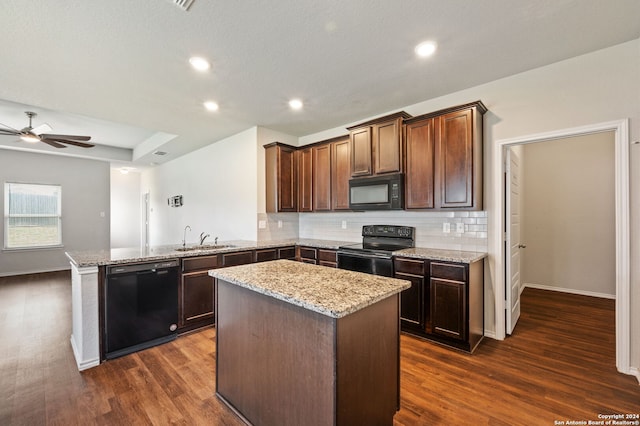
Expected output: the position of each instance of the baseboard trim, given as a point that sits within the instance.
(82, 365)
(570, 290)
(490, 334)
(12, 274)
(635, 372)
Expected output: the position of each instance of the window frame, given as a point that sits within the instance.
(7, 216)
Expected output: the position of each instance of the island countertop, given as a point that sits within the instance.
(332, 292)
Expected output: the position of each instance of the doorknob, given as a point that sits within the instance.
(522, 246)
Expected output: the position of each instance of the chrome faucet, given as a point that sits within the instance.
(184, 239)
(215, 242)
(203, 237)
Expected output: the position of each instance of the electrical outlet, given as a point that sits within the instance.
(279, 224)
(344, 224)
(460, 227)
(446, 227)
(262, 224)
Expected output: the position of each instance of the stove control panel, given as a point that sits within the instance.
(393, 231)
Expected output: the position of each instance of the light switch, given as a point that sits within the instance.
(344, 224)
(460, 228)
(279, 224)
(446, 227)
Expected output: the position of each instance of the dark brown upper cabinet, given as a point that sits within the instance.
(376, 145)
(305, 180)
(444, 159)
(321, 177)
(340, 173)
(281, 178)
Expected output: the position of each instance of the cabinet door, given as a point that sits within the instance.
(281, 185)
(327, 258)
(454, 154)
(361, 152)
(266, 254)
(412, 302)
(321, 177)
(387, 143)
(340, 174)
(448, 308)
(420, 146)
(197, 298)
(305, 178)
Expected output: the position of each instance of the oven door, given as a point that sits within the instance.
(369, 263)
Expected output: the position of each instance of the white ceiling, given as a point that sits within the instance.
(118, 70)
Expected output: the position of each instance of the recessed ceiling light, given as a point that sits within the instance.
(198, 63)
(295, 104)
(425, 49)
(211, 106)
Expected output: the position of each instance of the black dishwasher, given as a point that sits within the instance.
(140, 306)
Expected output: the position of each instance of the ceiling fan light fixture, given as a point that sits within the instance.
(426, 49)
(199, 64)
(31, 138)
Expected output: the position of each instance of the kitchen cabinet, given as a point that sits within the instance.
(196, 298)
(263, 255)
(281, 178)
(237, 258)
(321, 181)
(414, 301)
(340, 173)
(318, 256)
(305, 181)
(444, 159)
(377, 145)
(445, 302)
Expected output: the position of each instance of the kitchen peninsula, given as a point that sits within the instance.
(306, 344)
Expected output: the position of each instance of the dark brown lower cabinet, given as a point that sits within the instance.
(196, 293)
(318, 256)
(328, 257)
(445, 302)
(263, 255)
(237, 258)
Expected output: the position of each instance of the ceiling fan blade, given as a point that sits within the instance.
(75, 138)
(44, 127)
(76, 143)
(9, 129)
(53, 143)
(8, 132)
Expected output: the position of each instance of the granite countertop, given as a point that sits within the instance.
(328, 291)
(140, 254)
(444, 255)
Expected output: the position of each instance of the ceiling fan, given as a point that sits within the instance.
(37, 134)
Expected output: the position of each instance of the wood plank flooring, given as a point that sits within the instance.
(559, 365)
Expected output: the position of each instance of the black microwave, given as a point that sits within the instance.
(377, 193)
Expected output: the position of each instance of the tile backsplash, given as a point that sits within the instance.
(347, 226)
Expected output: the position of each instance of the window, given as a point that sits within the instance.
(32, 215)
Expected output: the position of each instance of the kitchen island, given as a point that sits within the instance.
(306, 344)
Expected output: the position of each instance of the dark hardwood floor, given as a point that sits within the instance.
(558, 365)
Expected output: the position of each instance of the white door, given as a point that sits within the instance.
(513, 244)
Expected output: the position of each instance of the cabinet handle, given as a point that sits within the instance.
(522, 246)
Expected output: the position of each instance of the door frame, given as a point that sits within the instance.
(497, 233)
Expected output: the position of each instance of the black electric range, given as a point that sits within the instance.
(374, 254)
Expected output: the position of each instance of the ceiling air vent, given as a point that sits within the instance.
(183, 4)
(159, 153)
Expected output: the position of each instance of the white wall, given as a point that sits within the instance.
(85, 195)
(219, 188)
(598, 87)
(569, 225)
(126, 211)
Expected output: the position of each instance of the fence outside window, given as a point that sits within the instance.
(32, 215)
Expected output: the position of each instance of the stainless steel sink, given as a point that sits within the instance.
(204, 247)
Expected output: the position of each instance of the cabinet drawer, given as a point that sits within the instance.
(199, 263)
(327, 256)
(409, 266)
(287, 253)
(240, 258)
(307, 253)
(449, 271)
(266, 254)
